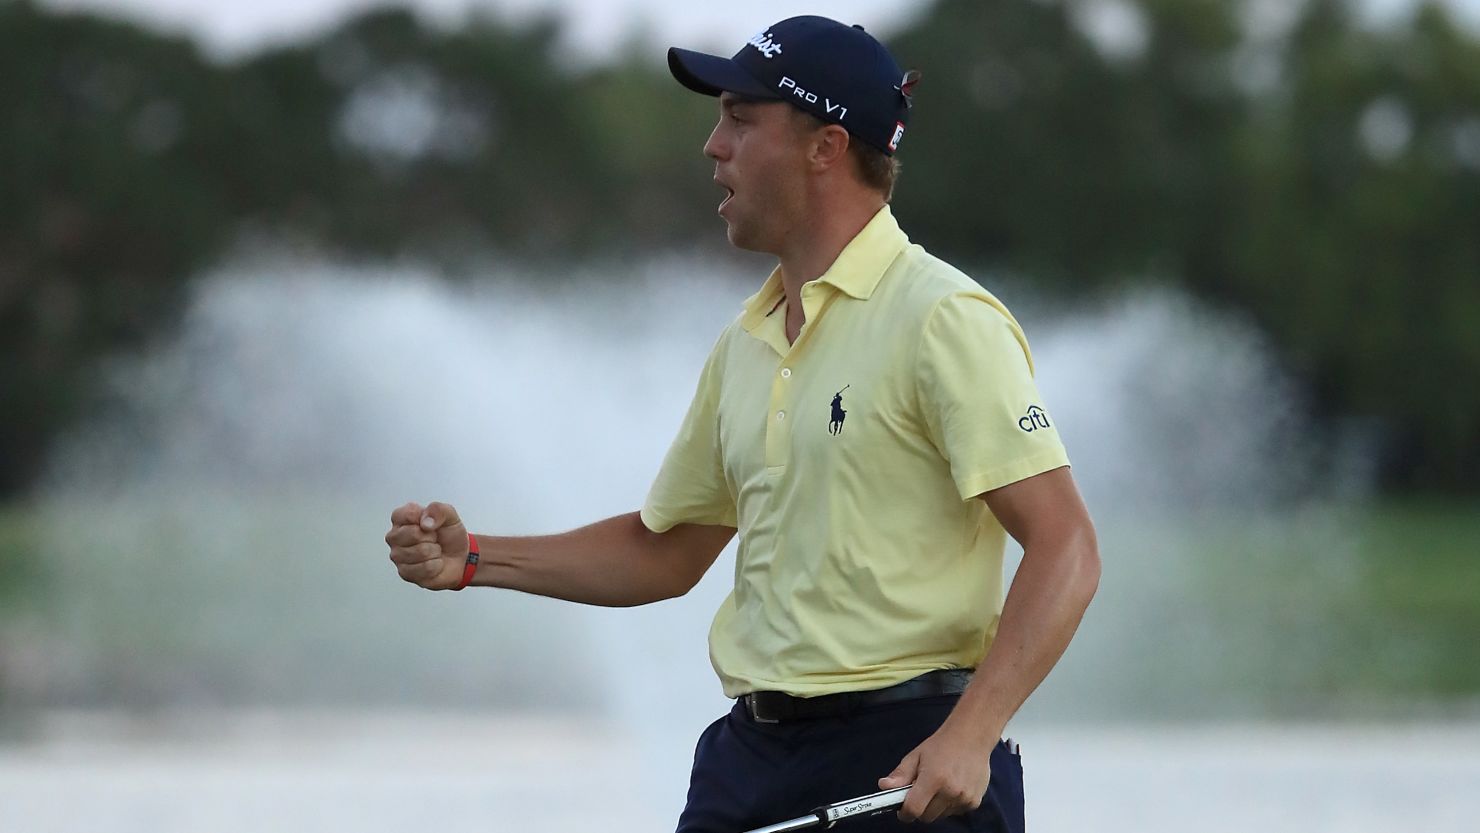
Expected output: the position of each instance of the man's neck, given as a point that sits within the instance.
(813, 248)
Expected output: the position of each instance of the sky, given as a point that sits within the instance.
(595, 27)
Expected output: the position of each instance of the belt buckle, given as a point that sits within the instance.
(750, 701)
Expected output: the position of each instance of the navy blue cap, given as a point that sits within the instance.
(836, 72)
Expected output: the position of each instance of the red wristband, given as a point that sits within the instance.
(472, 564)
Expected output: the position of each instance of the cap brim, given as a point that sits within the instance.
(712, 75)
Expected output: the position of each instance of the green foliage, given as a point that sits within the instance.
(1420, 603)
(22, 583)
(1326, 181)
(1032, 150)
(101, 217)
(1333, 614)
(1365, 266)
(20, 569)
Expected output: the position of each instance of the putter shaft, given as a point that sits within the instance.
(829, 815)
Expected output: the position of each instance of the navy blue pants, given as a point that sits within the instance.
(748, 775)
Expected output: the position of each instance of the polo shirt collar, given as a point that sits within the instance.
(856, 272)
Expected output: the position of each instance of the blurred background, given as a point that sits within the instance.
(269, 270)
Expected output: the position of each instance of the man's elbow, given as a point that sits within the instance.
(687, 575)
(674, 585)
(683, 554)
(1084, 563)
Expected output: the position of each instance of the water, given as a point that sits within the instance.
(225, 647)
(406, 772)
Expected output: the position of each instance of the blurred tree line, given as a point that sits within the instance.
(1322, 176)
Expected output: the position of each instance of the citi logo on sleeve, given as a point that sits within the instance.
(1035, 419)
(835, 425)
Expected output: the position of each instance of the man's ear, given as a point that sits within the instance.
(829, 147)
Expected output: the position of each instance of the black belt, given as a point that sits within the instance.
(776, 706)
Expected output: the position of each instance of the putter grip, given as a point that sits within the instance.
(868, 805)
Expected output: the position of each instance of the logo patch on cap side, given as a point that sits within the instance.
(767, 45)
(898, 134)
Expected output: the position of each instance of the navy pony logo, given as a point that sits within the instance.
(835, 427)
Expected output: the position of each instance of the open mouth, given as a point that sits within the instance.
(729, 193)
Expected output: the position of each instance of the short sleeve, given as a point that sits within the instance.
(691, 486)
(981, 407)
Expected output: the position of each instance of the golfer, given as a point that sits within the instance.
(870, 427)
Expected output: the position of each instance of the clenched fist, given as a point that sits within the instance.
(429, 546)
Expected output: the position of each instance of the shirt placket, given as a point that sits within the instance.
(816, 298)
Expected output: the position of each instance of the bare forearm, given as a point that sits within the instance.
(617, 562)
(1044, 606)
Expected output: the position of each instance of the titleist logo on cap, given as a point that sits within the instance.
(767, 46)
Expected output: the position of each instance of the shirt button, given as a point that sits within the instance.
(780, 415)
(786, 373)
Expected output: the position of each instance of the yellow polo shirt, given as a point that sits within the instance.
(850, 462)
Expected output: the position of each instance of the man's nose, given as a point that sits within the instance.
(715, 148)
